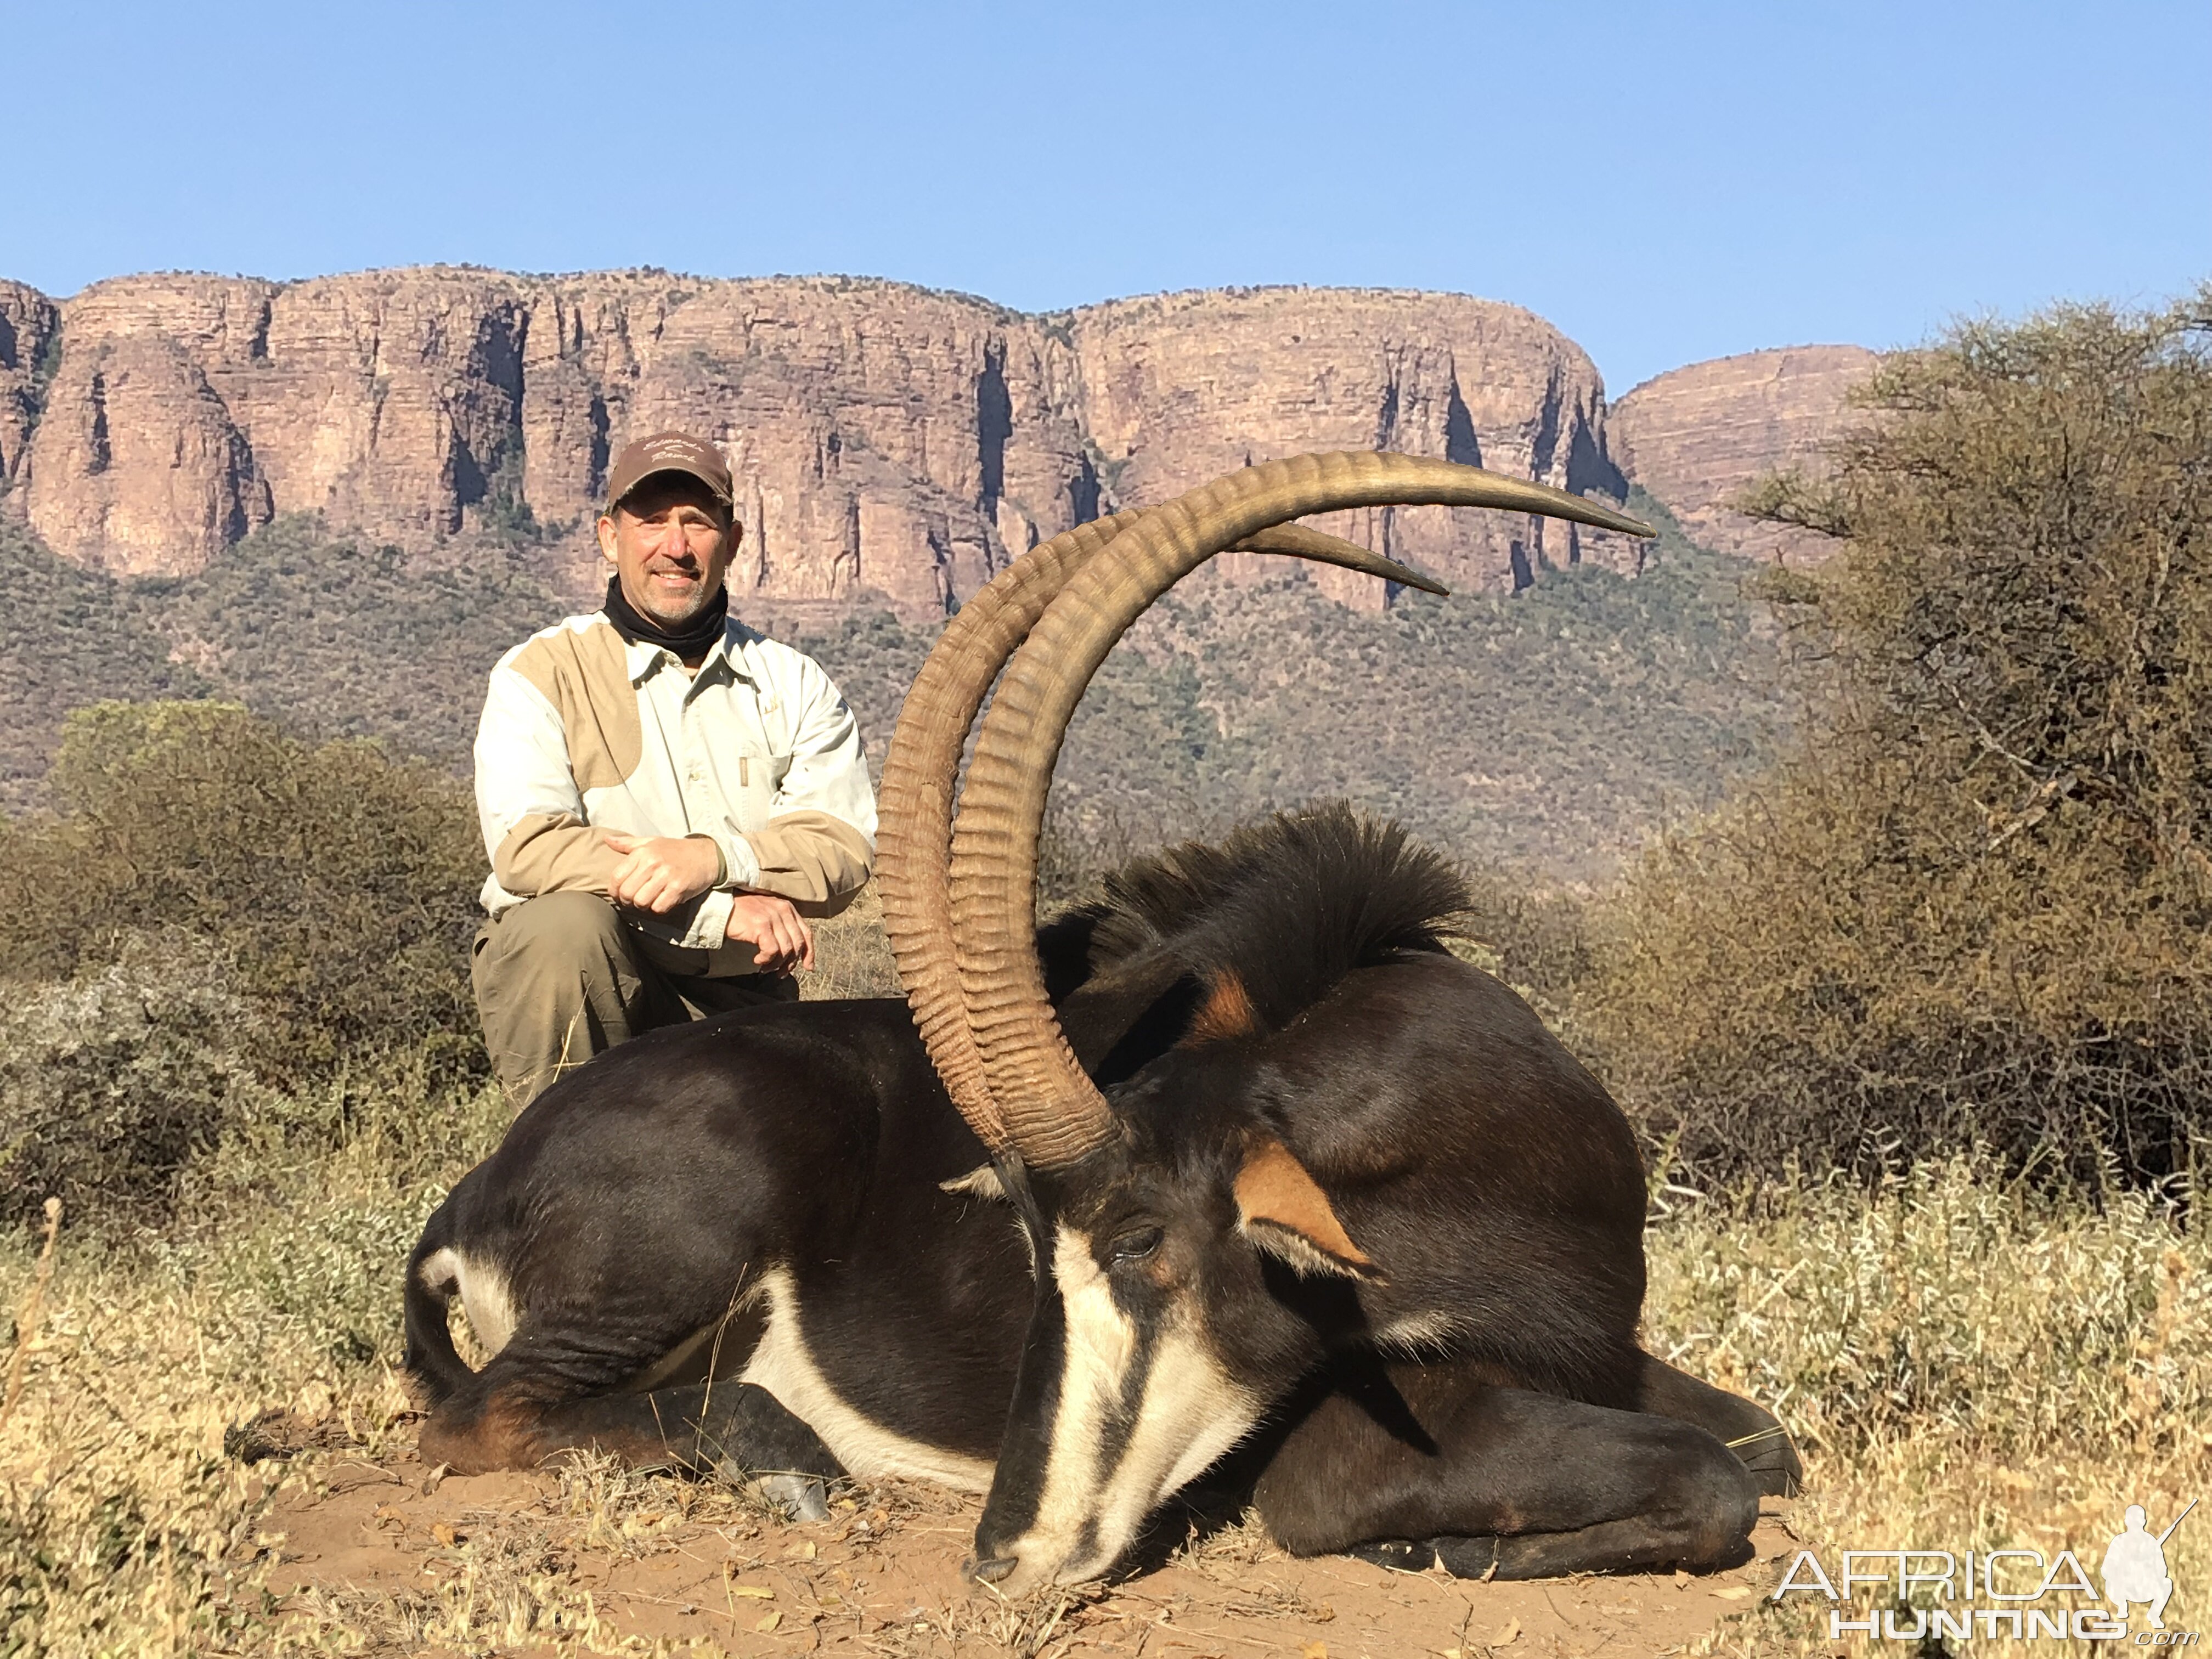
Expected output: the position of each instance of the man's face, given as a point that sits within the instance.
(671, 543)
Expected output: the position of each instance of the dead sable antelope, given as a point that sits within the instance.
(1240, 1160)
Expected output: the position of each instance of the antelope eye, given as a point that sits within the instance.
(1138, 1244)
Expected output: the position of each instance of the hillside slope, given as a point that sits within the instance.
(338, 500)
(1554, 726)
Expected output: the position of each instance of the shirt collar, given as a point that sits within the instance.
(642, 657)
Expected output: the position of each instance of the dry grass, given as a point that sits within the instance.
(34, 1304)
(1969, 1368)
(1969, 1364)
(852, 957)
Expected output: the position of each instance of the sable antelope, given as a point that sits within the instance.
(1269, 1171)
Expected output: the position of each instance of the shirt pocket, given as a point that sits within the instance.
(759, 778)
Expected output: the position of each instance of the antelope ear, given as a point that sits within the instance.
(981, 1182)
(1283, 1211)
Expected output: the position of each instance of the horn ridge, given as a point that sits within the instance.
(915, 803)
(921, 767)
(1051, 1109)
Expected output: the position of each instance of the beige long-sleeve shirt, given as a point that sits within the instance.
(584, 732)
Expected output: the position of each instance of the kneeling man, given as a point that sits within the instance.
(666, 794)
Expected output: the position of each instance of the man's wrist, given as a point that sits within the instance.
(721, 859)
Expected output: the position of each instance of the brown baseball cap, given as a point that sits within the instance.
(669, 452)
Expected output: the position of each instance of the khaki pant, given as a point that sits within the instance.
(561, 978)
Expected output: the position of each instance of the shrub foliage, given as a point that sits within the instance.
(1974, 904)
(111, 1083)
(339, 881)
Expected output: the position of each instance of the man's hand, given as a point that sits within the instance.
(780, 937)
(658, 873)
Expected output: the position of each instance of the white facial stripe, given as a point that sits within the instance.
(1100, 1341)
(482, 1289)
(784, 1365)
(1196, 1394)
(1190, 1412)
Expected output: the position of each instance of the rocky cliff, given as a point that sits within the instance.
(30, 339)
(1181, 388)
(885, 438)
(1694, 437)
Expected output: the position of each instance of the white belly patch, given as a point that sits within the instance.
(783, 1365)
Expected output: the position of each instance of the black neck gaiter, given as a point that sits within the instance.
(693, 641)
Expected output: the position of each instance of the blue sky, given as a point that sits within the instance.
(1665, 183)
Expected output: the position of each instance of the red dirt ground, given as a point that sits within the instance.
(673, 1562)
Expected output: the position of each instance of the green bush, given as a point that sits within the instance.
(339, 881)
(111, 1084)
(1974, 905)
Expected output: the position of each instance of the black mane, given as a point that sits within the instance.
(1288, 906)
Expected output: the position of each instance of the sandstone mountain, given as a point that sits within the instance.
(337, 500)
(886, 438)
(1694, 437)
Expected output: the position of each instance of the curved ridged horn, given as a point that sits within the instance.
(1047, 1107)
(915, 804)
(913, 839)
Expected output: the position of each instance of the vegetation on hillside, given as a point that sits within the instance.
(1551, 727)
(1975, 904)
(72, 637)
(333, 638)
(339, 639)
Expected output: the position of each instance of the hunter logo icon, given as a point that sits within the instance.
(2021, 1593)
(2135, 1566)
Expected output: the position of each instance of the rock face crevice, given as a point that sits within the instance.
(30, 347)
(1179, 388)
(884, 438)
